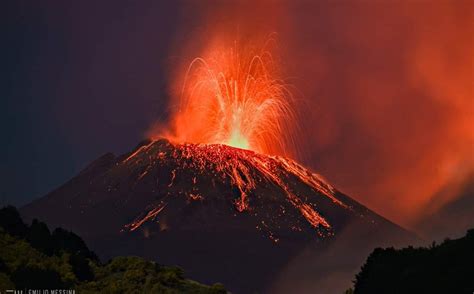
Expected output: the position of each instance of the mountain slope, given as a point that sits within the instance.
(223, 213)
(33, 258)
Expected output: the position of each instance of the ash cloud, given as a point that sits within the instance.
(387, 112)
(386, 91)
(392, 98)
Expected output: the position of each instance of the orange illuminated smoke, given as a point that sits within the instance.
(234, 97)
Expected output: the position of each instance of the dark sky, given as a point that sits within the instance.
(387, 88)
(78, 80)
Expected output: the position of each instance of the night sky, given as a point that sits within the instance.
(78, 80)
(387, 88)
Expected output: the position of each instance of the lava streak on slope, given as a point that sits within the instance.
(256, 180)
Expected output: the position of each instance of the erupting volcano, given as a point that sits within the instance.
(218, 196)
(223, 213)
(232, 169)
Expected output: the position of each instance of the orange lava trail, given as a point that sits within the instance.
(150, 215)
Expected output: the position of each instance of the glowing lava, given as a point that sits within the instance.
(247, 172)
(234, 97)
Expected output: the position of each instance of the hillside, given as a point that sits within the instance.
(444, 268)
(33, 258)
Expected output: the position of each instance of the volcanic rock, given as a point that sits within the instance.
(224, 214)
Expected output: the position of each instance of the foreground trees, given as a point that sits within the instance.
(31, 257)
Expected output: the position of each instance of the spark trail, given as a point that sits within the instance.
(235, 97)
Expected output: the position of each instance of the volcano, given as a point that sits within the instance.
(222, 213)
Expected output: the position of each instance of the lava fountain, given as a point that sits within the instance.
(234, 96)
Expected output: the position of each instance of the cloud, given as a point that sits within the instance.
(386, 93)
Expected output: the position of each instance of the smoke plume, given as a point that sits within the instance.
(386, 90)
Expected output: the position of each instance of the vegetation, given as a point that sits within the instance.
(444, 268)
(33, 258)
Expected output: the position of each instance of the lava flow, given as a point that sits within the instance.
(234, 97)
(250, 174)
